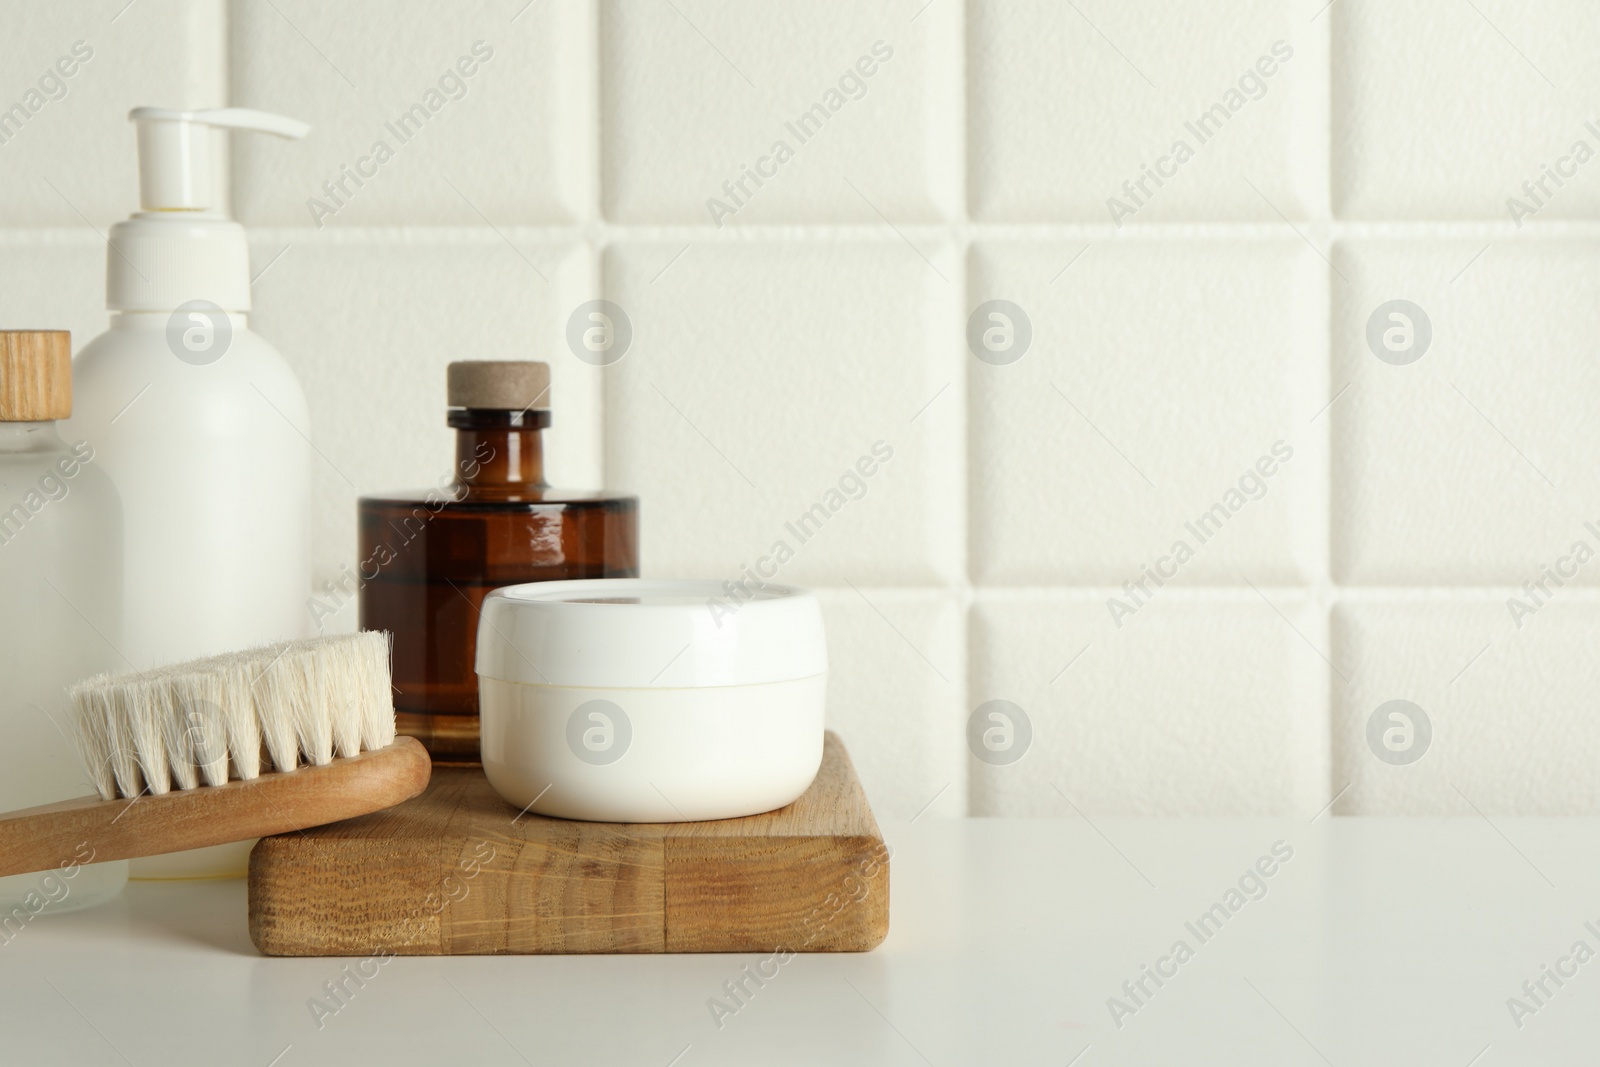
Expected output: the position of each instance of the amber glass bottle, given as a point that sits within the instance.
(429, 558)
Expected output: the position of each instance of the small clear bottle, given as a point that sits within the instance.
(60, 610)
(429, 558)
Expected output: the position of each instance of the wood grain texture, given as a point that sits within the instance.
(35, 375)
(36, 839)
(458, 871)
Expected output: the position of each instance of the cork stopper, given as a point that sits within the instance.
(501, 385)
(35, 375)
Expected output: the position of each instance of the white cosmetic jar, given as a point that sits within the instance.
(633, 700)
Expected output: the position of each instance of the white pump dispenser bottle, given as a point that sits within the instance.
(199, 422)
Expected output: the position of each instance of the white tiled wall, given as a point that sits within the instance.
(1199, 348)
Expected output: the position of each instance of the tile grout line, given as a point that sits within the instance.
(599, 235)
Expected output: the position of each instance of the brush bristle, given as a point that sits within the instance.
(208, 720)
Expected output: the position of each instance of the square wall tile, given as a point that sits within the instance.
(1444, 110)
(1166, 398)
(1506, 723)
(72, 73)
(1473, 462)
(896, 681)
(419, 112)
(792, 408)
(53, 280)
(369, 325)
(1209, 705)
(1067, 102)
(840, 111)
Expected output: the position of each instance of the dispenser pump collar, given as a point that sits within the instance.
(176, 171)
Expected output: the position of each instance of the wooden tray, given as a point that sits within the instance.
(458, 871)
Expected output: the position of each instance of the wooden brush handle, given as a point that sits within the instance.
(60, 834)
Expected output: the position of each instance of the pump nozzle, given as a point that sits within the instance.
(175, 157)
(180, 247)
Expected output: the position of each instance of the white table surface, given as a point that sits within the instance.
(1379, 942)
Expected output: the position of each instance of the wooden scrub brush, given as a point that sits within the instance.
(248, 744)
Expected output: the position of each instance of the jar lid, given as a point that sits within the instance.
(632, 633)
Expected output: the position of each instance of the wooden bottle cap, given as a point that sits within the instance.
(500, 385)
(35, 375)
